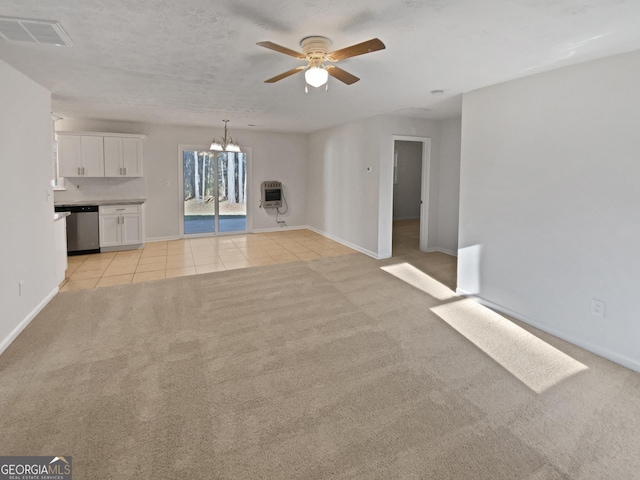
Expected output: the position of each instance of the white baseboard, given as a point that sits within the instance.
(464, 293)
(623, 360)
(344, 242)
(279, 229)
(121, 248)
(443, 250)
(26, 321)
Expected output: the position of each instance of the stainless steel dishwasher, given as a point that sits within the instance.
(83, 231)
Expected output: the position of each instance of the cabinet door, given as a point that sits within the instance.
(92, 156)
(113, 157)
(109, 230)
(69, 156)
(131, 228)
(132, 157)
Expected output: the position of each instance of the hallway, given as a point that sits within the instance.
(406, 247)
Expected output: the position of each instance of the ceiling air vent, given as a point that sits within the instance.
(33, 31)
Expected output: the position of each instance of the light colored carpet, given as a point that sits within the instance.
(333, 368)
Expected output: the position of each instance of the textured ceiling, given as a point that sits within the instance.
(195, 62)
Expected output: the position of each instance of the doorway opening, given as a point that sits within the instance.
(213, 193)
(410, 209)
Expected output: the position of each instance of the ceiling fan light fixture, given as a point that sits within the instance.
(316, 50)
(316, 76)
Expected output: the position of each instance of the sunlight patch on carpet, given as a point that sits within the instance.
(531, 360)
(420, 280)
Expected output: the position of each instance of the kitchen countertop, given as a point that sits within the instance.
(59, 215)
(81, 203)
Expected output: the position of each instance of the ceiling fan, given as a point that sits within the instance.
(316, 51)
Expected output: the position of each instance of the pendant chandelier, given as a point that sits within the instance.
(225, 144)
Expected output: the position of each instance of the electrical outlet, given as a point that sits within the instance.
(20, 287)
(597, 307)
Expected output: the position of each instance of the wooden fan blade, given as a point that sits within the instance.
(372, 45)
(284, 75)
(281, 49)
(341, 75)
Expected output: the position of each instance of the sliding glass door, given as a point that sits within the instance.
(232, 192)
(214, 188)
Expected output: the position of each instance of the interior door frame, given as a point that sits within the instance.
(201, 148)
(424, 186)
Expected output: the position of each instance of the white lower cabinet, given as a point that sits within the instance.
(120, 225)
(110, 231)
(131, 228)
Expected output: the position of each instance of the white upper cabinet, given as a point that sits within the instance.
(99, 155)
(80, 156)
(92, 152)
(112, 157)
(69, 156)
(132, 157)
(122, 157)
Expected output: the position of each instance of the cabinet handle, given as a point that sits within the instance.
(79, 171)
(82, 170)
(118, 219)
(125, 170)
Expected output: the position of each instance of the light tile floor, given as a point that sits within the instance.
(176, 258)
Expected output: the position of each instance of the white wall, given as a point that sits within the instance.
(274, 156)
(27, 250)
(550, 199)
(343, 196)
(448, 184)
(349, 204)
